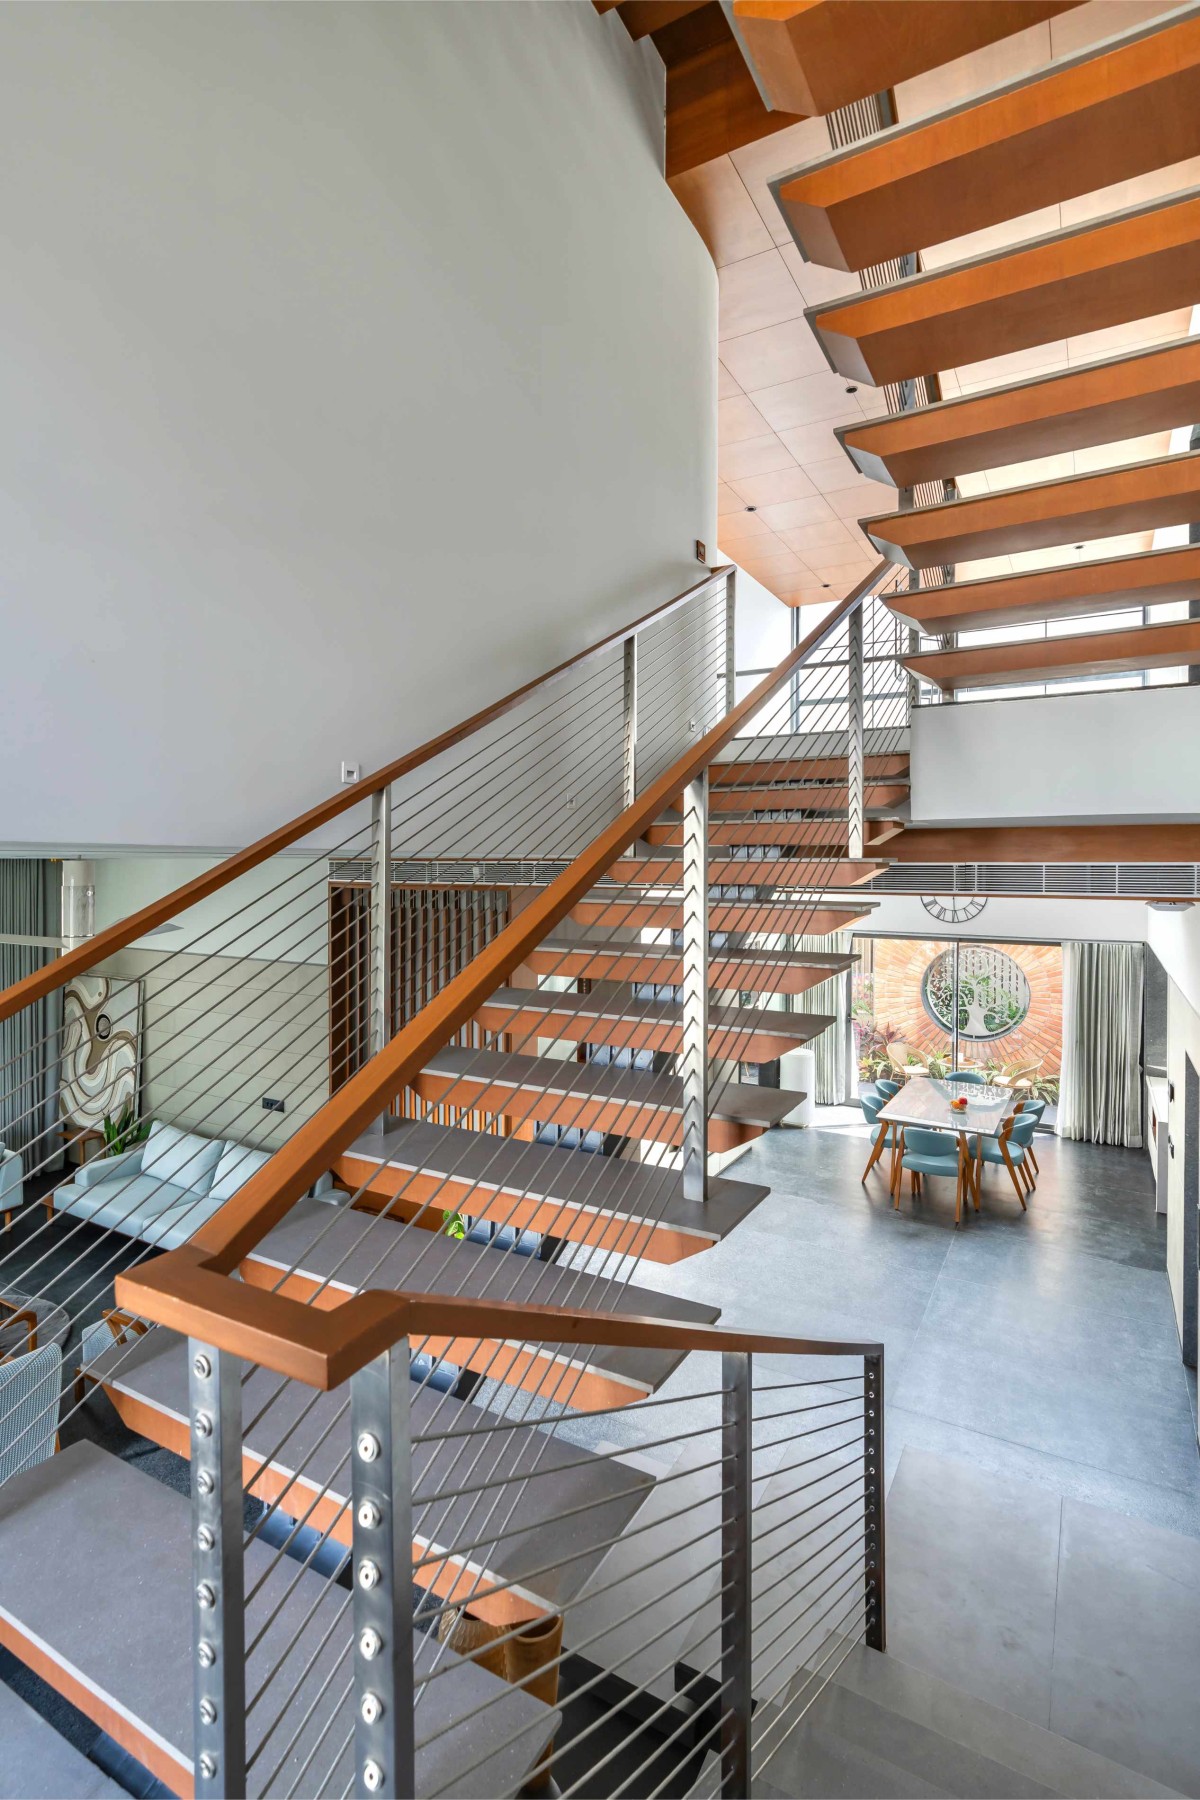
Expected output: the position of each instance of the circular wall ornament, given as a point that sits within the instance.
(993, 992)
(953, 909)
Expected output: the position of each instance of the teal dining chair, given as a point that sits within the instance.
(887, 1088)
(930, 1153)
(1031, 1108)
(975, 1077)
(1011, 1147)
(872, 1105)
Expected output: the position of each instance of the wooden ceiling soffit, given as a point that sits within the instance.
(1117, 110)
(1098, 403)
(1135, 497)
(1052, 659)
(1069, 592)
(1054, 844)
(1130, 265)
(812, 56)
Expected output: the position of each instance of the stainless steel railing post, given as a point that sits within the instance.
(381, 1496)
(874, 1542)
(218, 1586)
(381, 919)
(731, 640)
(855, 790)
(736, 1696)
(694, 1058)
(630, 712)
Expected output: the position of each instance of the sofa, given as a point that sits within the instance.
(163, 1190)
(12, 1182)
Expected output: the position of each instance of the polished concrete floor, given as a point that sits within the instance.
(1044, 1501)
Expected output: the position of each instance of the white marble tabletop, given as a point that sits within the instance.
(926, 1101)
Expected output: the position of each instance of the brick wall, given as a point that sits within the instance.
(899, 968)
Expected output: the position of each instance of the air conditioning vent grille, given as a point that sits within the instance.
(1134, 881)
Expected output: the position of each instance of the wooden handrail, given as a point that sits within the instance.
(323, 1347)
(117, 937)
(233, 1231)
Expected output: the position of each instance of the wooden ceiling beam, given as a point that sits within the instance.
(1117, 110)
(814, 55)
(1151, 579)
(1135, 497)
(1130, 265)
(1052, 659)
(1098, 403)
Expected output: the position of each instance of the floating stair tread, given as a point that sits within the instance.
(665, 869)
(1030, 1751)
(1075, 508)
(821, 799)
(736, 1101)
(813, 917)
(93, 1596)
(1071, 409)
(542, 1172)
(39, 1763)
(1094, 653)
(1128, 265)
(815, 55)
(354, 1249)
(1113, 111)
(1072, 591)
(527, 1473)
(608, 1010)
(804, 768)
(828, 962)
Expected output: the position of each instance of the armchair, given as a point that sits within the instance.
(12, 1178)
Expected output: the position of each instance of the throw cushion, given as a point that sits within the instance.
(181, 1157)
(238, 1163)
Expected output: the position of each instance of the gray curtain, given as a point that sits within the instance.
(1101, 1094)
(832, 1048)
(29, 906)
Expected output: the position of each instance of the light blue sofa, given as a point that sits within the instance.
(163, 1190)
(12, 1184)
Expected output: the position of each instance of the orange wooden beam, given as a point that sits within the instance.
(1135, 497)
(1117, 110)
(1071, 591)
(1176, 644)
(815, 55)
(1128, 266)
(1100, 403)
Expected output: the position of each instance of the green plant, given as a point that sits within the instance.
(454, 1225)
(124, 1131)
(875, 1058)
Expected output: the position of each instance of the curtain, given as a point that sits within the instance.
(29, 906)
(832, 1048)
(1100, 1099)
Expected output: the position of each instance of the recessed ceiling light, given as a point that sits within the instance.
(752, 509)
(852, 390)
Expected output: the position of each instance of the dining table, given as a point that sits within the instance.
(924, 1100)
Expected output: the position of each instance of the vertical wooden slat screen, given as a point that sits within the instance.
(435, 934)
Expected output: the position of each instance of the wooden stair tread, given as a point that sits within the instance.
(526, 1472)
(818, 798)
(826, 962)
(814, 917)
(1149, 578)
(94, 1587)
(1075, 508)
(815, 55)
(1071, 409)
(799, 768)
(353, 1249)
(1044, 659)
(609, 1015)
(750, 971)
(1114, 110)
(1128, 265)
(507, 1167)
(665, 868)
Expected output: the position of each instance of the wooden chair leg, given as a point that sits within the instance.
(877, 1150)
(1033, 1159)
(1012, 1169)
(1026, 1177)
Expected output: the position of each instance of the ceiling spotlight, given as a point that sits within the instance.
(852, 390)
(752, 509)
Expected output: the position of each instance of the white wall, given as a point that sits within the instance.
(358, 365)
(1175, 939)
(1106, 757)
(1004, 920)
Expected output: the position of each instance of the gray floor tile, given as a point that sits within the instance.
(1126, 1677)
(971, 1580)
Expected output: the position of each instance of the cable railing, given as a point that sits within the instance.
(701, 855)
